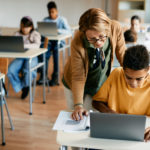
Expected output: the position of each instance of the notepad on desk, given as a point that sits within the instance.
(65, 123)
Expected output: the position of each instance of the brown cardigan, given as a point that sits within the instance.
(76, 69)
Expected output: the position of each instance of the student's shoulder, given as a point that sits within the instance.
(46, 18)
(62, 18)
(35, 33)
(117, 72)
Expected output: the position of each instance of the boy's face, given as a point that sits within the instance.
(135, 78)
(53, 13)
(135, 25)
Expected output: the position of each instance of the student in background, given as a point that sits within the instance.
(136, 24)
(32, 39)
(130, 38)
(127, 89)
(63, 28)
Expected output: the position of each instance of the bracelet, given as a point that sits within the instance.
(78, 104)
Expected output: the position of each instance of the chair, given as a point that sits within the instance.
(3, 70)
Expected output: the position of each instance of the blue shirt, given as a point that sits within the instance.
(62, 24)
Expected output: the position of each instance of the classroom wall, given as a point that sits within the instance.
(11, 11)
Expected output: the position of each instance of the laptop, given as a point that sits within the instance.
(12, 44)
(117, 126)
(47, 28)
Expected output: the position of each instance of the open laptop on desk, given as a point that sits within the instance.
(12, 44)
(117, 126)
(47, 28)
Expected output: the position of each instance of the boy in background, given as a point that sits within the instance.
(63, 28)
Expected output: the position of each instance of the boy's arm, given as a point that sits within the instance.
(66, 28)
(102, 107)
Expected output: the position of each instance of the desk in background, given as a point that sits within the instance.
(30, 54)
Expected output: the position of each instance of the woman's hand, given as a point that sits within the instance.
(147, 134)
(78, 113)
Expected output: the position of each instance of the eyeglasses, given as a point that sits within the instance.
(94, 40)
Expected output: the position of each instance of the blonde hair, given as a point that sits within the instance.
(95, 19)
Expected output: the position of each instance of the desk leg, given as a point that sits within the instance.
(63, 147)
(64, 50)
(58, 65)
(2, 115)
(30, 87)
(44, 79)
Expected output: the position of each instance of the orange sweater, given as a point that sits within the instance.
(121, 98)
(76, 69)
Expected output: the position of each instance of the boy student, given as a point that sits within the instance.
(136, 23)
(127, 89)
(63, 28)
(130, 37)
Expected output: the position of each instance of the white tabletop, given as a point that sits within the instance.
(28, 54)
(74, 27)
(83, 139)
(59, 37)
(2, 75)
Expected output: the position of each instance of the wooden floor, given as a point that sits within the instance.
(33, 132)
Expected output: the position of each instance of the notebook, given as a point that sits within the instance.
(117, 126)
(12, 44)
(47, 28)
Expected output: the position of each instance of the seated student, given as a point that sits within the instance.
(32, 39)
(63, 28)
(130, 37)
(136, 24)
(127, 89)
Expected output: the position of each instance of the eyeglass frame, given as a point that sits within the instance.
(93, 41)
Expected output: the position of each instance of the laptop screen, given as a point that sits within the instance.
(117, 126)
(11, 44)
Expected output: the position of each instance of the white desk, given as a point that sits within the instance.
(59, 38)
(83, 140)
(30, 54)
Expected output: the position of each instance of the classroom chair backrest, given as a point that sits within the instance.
(4, 65)
(45, 42)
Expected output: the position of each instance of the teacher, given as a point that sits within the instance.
(92, 52)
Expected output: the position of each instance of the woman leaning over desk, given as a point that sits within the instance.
(92, 52)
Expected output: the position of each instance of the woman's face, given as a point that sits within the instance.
(25, 30)
(96, 38)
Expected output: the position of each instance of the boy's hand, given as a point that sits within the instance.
(147, 134)
(78, 113)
